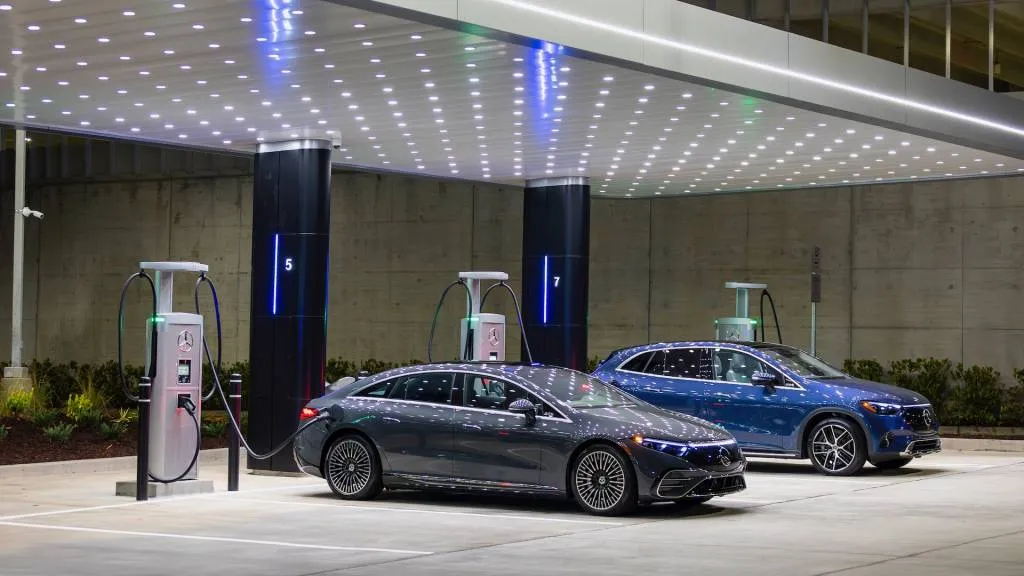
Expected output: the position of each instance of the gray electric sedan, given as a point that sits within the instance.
(529, 429)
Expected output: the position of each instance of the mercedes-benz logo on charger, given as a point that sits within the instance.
(185, 341)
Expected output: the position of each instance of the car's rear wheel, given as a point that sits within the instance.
(836, 447)
(352, 468)
(893, 464)
(602, 481)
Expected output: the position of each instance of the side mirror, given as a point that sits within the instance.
(525, 407)
(766, 379)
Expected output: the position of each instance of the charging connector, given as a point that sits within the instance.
(185, 401)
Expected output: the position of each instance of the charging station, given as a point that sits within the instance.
(482, 335)
(741, 327)
(174, 347)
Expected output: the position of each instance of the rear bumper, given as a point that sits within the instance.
(304, 466)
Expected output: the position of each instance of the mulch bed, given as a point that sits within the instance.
(25, 443)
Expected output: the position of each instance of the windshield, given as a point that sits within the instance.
(801, 363)
(581, 391)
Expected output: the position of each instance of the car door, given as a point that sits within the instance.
(414, 424)
(493, 445)
(763, 419)
(668, 378)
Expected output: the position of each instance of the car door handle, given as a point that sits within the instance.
(471, 426)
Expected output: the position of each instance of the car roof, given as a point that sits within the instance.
(728, 344)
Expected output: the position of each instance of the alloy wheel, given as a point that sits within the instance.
(600, 480)
(349, 467)
(833, 447)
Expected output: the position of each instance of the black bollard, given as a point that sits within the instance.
(235, 408)
(142, 461)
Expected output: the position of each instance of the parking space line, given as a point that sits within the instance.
(154, 501)
(216, 539)
(432, 511)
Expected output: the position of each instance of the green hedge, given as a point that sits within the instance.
(54, 382)
(962, 395)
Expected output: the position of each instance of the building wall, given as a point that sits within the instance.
(917, 269)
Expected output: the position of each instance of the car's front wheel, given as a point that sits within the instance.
(602, 481)
(836, 447)
(352, 468)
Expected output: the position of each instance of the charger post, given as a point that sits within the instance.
(482, 335)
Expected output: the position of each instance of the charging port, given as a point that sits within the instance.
(185, 401)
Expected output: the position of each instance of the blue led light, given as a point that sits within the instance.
(277, 238)
(544, 305)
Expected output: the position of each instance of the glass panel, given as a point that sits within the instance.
(885, 30)
(928, 36)
(1009, 55)
(805, 18)
(969, 47)
(770, 13)
(846, 24)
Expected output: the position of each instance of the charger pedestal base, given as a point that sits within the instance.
(160, 490)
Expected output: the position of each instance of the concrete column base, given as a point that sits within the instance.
(16, 379)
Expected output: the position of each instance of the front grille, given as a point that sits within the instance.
(675, 484)
(719, 486)
(715, 456)
(924, 446)
(920, 418)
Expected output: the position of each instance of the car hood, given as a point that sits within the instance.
(874, 390)
(655, 422)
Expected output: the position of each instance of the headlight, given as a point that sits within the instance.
(881, 408)
(679, 449)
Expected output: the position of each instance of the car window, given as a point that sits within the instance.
(582, 391)
(435, 388)
(735, 366)
(377, 390)
(657, 364)
(683, 362)
(801, 362)
(638, 363)
(493, 394)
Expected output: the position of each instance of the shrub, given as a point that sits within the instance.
(864, 369)
(592, 363)
(18, 403)
(112, 430)
(81, 410)
(1011, 412)
(4, 430)
(214, 428)
(59, 433)
(978, 397)
(337, 368)
(374, 366)
(929, 377)
(43, 417)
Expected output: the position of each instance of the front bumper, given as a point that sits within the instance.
(678, 484)
(920, 447)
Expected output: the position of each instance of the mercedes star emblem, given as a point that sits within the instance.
(185, 341)
(723, 457)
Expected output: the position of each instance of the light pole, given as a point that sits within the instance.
(16, 375)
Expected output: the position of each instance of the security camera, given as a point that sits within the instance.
(26, 212)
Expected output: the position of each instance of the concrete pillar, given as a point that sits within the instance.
(290, 240)
(556, 262)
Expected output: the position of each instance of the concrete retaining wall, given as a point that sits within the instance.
(932, 269)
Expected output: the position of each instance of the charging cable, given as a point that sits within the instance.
(218, 388)
(519, 314)
(437, 312)
(189, 406)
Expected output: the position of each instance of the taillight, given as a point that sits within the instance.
(308, 413)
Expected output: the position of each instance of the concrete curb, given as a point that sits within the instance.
(982, 445)
(97, 465)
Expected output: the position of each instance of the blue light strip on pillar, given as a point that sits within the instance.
(544, 306)
(277, 238)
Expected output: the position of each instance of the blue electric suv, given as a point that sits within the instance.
(781, 402)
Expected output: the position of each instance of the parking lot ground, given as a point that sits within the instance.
(951, 513)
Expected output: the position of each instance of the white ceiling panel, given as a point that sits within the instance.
(402, 96)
